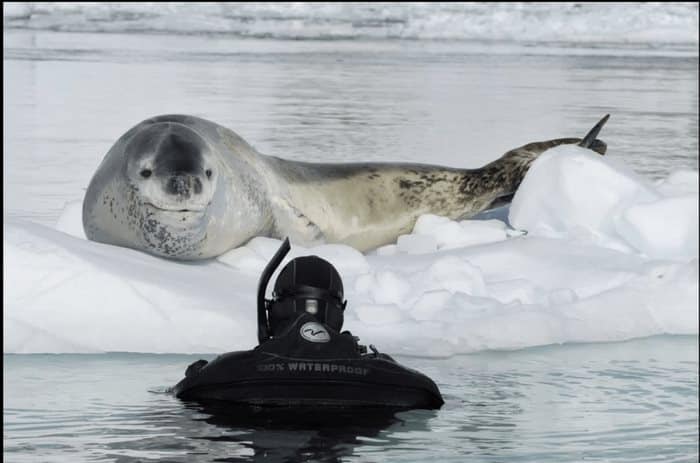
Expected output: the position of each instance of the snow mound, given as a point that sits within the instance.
(570, 192)
(607, 256)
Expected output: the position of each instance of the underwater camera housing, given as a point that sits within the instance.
(303, 360)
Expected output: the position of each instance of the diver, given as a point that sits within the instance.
(303, 358)
(306, 286)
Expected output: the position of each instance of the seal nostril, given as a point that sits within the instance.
(208, 172)
(178, 185)
(145, 173)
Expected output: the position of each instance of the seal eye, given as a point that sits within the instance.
(145, 173)
(208, 172)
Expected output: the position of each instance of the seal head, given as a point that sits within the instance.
(172, 174)
(171, 168)
(156, 190)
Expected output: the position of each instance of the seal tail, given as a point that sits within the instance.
(591, 142)
(510, 169)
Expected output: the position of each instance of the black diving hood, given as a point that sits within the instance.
(304, 361)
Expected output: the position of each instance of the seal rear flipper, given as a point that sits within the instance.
(598, 146)
(590, 141)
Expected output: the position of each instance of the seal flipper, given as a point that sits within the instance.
(516, 162)
(590, 141)
(289, 218)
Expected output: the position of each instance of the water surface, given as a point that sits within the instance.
(631, 401)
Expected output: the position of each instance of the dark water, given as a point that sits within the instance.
(632, 401)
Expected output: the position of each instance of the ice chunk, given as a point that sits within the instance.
(417, 243)
(429, 304)
(378, 314)
(448, 234)
(383, 287)
(569, 190)
(388, 250)
(667, 228)
(453, 274)
(572, 193)
(480, 232)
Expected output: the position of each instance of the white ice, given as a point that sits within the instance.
(579, 22)
(574, 194)
(596, 254)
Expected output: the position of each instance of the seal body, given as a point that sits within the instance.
(186, 188)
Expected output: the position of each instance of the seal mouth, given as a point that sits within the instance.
(182, 210)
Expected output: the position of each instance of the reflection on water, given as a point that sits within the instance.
(192, 432)
(631, 401)
(281, 435)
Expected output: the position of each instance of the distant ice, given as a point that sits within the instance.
(579, 22)
(595, 254)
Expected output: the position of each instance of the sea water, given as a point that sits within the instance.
(410, 84)
(632, 401)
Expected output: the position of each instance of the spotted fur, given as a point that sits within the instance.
(250, 194)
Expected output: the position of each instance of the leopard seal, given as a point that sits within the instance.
(186, 188)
